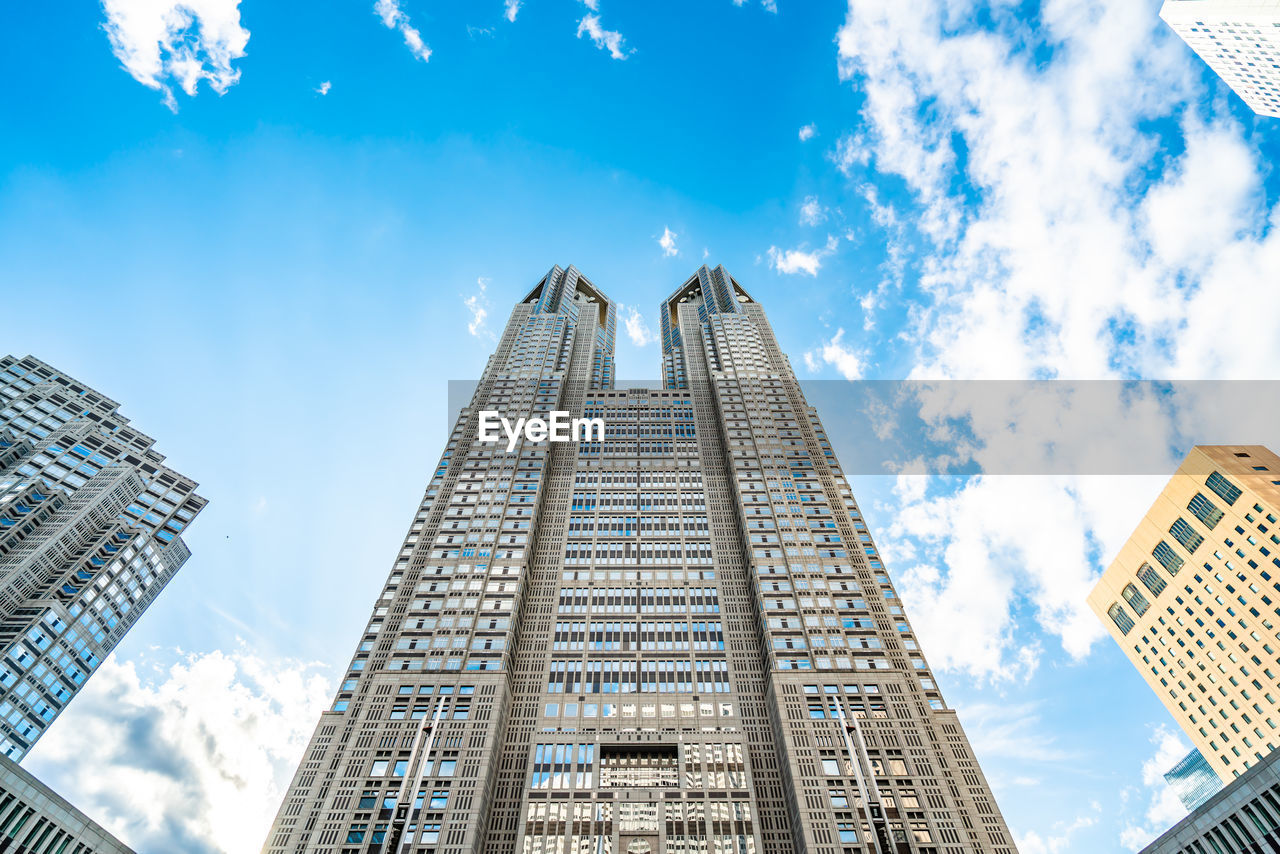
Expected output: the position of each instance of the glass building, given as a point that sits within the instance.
(1193, 780)
(90, 533)
(675, 637)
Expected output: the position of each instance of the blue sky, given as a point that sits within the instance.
(278, 284)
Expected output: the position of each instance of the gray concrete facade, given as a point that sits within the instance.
(678, 639)
(34, 819)
(1243, 818)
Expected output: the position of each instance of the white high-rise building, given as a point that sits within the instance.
(1240, 39)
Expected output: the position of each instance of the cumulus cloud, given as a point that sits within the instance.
(835, 352)
(610, 40)
(637, 330)
(1163, 807)
(970, 559)
(163, 43)
(192, 757)
(668, 242)
(1075, 207)
(808, 132)
(323, 88)
(801, 260)
(510, 9)
(1067, 218)
(395, 18)
(479, 306)
(812, 212)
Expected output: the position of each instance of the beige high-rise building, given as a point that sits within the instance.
(1193, 599)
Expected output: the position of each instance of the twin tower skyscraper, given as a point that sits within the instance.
(677, 638)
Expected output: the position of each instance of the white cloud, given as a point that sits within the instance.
(770, 5)
(192, 758)
(971, 560)
(394, 18)
(808, 132)
(668, 242)
(593, 5)
(166, 42)
(610, 40)
(1163, 809)
(510, 9)
(1059, 839)
(637, 330)
(323, 88)
(478, 304)
(1010, 731)
(811, 212)
(800, 260)
(1076, 237)
(834, 352)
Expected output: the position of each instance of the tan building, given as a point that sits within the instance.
(1193, 599)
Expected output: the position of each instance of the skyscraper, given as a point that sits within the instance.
(1192, 601)
(90, 523)
(1240, 41)
(1193, 780)
(677, 638)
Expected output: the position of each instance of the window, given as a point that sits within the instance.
(1118, 616)
(831, 767)
(1151, 579)
(1168, 558)
(447, 767)
(1205, 510)
(1136, 600)
(848, 831)
(439, 799)
(379, 768)
(1225, 489)
(1185, 534)
(431, 833)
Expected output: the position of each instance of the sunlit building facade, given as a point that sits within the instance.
(90, 533)
(1193, 600)
(680, 638)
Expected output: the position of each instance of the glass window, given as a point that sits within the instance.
(1122, 620)
(1223, 488)
(1187, 535)
(1151, 579)
(1205, 510)
(1168, 558)
(1136, 600)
